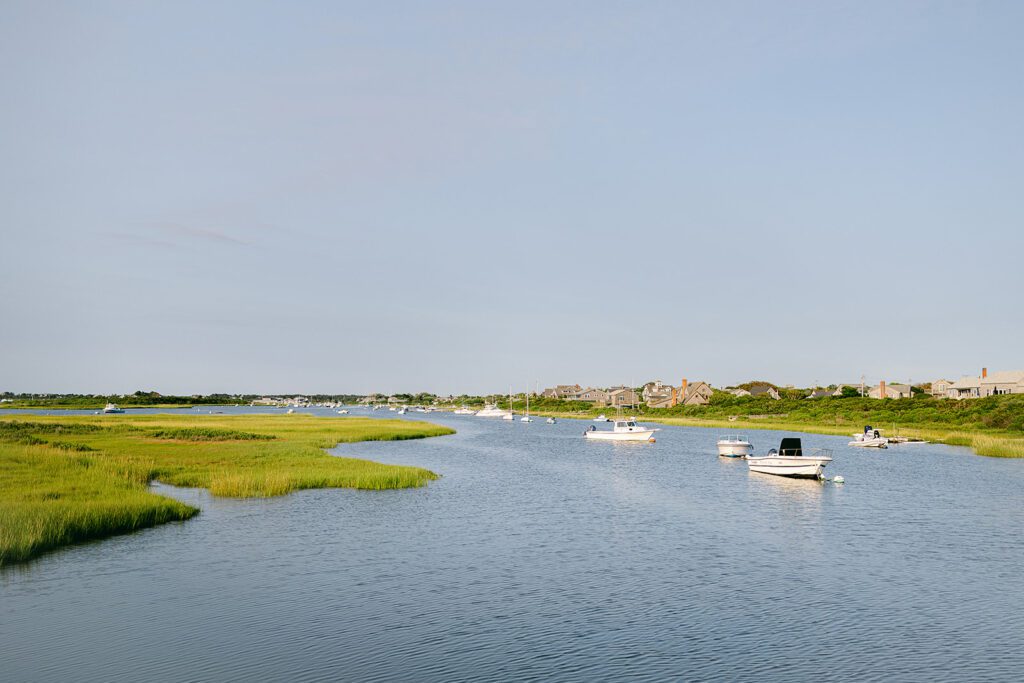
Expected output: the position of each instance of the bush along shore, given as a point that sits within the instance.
(992, 426)
(69, 479)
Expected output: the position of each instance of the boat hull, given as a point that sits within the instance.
(620, 436)
(870, 443)
(735, 450)
(789, 466)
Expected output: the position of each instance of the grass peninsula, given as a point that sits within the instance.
(67, 479)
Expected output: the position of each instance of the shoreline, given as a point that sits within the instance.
(984, 443)
(69, 479)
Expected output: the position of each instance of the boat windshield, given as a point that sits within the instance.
(631, 424)
(620, 425)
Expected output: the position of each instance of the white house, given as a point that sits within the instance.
(884, 390)
(965, 387)
(940, 388)
(1003, 382)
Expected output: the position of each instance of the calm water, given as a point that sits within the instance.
(540, 556)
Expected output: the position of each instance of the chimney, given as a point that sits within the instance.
(984, 373)
(682, 391)
(675, 399)
(881, 389)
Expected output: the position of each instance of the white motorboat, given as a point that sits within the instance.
(112, 408)
(869, 438)
(402, 411)
(464, 411)
(550, 420)
(624, 430)
(790, 461)
(342, 412)
(734, 446)
(601, 418)
(491, 410)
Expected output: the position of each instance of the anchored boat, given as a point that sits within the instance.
(790, 461)
(623, 430)
(870, 438)
(734, 446)
(113, 408)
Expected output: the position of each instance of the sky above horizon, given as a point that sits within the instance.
(456, 197)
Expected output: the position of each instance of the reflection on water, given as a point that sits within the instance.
(540, 555)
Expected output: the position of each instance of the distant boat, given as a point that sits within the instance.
(491, 410)
(790, 461)
(342, 412)
(112, 408)
(734, 446)
(624, 430)
(511, 414)
(464, 411)
(601, 418)
(550, 420)
(403, 411)
(869, 438)
(527, 418)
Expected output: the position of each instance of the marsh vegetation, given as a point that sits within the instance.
(69, 479)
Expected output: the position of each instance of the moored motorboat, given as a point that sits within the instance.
(869, 438)
(601, 418)
(624, 430)
(112, 408)
(491, 410)
(550, 420)
(464, 411)
(734, 446)
(790, 461)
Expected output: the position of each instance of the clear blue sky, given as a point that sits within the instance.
(241, 196)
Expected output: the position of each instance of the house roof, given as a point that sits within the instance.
(1005, 377)
(967, 383)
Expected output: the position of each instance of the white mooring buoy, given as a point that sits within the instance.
(838, 479)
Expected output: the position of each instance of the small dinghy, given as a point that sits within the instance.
(790, 461)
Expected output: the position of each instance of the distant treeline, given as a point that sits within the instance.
(150, 398)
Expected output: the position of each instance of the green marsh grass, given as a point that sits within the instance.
(93, 481)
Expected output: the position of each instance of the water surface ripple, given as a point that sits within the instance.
(540, 556)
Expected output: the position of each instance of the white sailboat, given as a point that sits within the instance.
(527, 418)
(511, 414)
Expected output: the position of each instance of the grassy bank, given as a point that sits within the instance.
(992, 426)
(72, 478)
